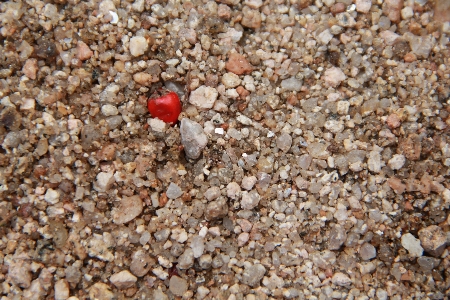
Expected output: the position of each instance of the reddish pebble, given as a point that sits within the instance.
(338, 8)
(83, 51)
(30, 68)
(397, 185)
(166, 107)
(242, 92)
(408, 206)
(238, 64)
(393, 121)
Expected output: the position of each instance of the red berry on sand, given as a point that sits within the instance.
(166, 107)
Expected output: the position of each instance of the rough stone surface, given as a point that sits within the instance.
(203, 97)
(128, 209)
(104, 181)
(174, 191)
(250, 199)
(141, 263)
(367, 251)
(52, 196)
(238, 64)
(334, 76)
(248, 182)
(19, 273)
(186, 260)
(433, 240)
(216, 209)
(193, 138)
(30, 68)
(233, 190)
(338, 236)
(101, 291)
(284, 142)
(291, 84)
(251, 18)
(397, 162)
(178, 286)
(143, 78)
(123, 279)
(62, 290)
(341, 279)
(138, 45)
(212, 193)
(363, 6)
(83, 51)
(412, 244)
(253, 275)
(230, 80)
(310, 160)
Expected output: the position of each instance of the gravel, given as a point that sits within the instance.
(310, 161)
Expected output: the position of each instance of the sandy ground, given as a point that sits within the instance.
(310, 161)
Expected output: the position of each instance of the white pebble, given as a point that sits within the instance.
(52, 196)
(138, 45)
(397, 162)
(109, 110)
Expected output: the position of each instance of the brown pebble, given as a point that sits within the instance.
(143, 194)
(406, 276)
(410, 57)
(163, 200)
(186, 197)
(358, 214)
(408, 206)
(442, 11)
(397, 185)
(393, 10)
(302, 4)
(30, 68)
(257, 116)
(415, 28)
(238, 64)
(292, 99)
(338, 8)
(211, 80)
(83, 51)
(130, 291)
(242, 92)
(107, 152)
(242, 106)
(39, 171)
(410, 147)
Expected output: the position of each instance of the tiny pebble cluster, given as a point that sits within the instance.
(311, 159)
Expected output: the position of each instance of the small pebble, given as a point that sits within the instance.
(412, 244)
(138, 46)
(123, 279)
(238, 64)
(193, 138)
(128, 209)
(341, 279)
(433, 240)
(178, 286)
(203, 97)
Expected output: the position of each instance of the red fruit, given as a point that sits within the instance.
(166, 107)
